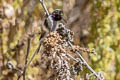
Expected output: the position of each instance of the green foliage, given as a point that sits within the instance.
(105, 37)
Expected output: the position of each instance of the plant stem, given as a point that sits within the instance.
(86, 63)
(26, 60)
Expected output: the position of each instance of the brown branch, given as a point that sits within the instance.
(26, 60)
(36, 51)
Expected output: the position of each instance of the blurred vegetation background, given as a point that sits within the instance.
(96, 24)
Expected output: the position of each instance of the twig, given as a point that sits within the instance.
(44, 6)
(36, 51)
(86, 63)
(72, 57)
(13, 67)
(88, 66)
(26, 60)
(47, 13)
(51, 21)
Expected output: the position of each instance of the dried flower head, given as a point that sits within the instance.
(56, 55)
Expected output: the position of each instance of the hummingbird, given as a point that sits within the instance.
(50, 23)
(55, 16)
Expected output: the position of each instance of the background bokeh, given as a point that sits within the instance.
(96, 24)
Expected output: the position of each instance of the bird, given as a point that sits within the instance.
(50, 23)
(55, 16)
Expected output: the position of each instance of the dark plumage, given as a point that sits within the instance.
(56, 15)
